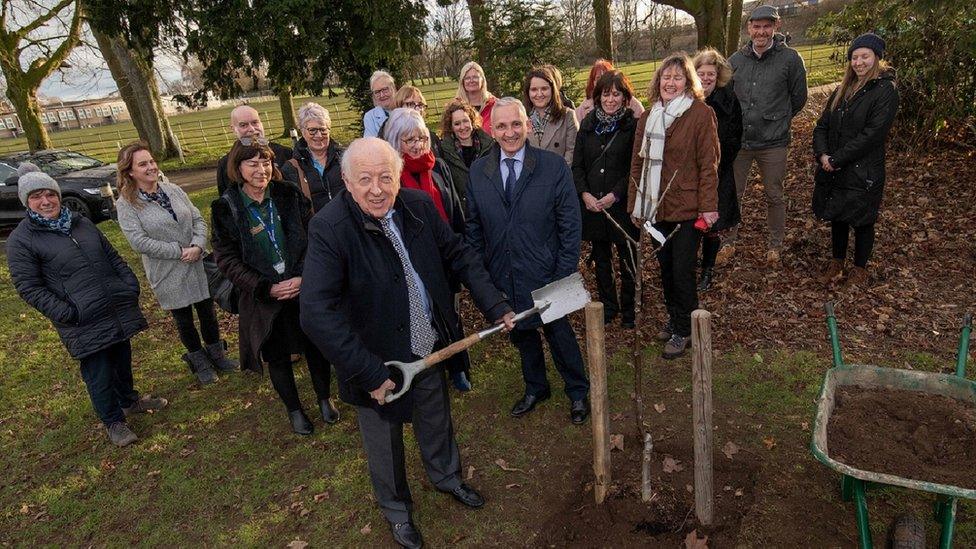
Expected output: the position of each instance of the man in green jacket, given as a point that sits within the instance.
(771, 83)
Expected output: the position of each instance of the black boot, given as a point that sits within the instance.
(300, 423)
(218, 355)
(329, 412)
(200, 365)
(705, 281)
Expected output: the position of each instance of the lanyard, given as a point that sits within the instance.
(267, 228)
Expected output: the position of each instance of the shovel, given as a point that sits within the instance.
(553, 301)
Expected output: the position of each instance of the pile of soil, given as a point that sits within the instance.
(905, 433)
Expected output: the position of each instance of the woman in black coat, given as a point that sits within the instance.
(601, 166)
(315, 162)
(65, 268)
(715, 74)
(259, 240)
(849, 145)
(462, 142)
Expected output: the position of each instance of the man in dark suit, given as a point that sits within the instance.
(524, 218)
(375, 288)
(245, 122)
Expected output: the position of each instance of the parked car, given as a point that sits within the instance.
(85, 183)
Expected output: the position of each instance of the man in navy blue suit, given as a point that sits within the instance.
(524, 218)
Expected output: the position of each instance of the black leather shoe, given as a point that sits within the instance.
(705, 280)
(527, 403)
(300, 423)
(468, 496)
(407, 535)
(579, 410)
(608, 317)
(329, 413)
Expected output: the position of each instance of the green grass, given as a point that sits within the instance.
(206, 135)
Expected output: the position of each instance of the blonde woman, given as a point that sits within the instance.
(473, 89)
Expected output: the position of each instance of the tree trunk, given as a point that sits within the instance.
(287, 111)
(25, 103)
(602, 28)
(711, 22)
(734, 24)
(133, 74)
(479, 33)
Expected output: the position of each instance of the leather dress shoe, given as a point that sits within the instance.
(300, 423)
(329, 412)
(579, 410)
(407, 535)
(468, 496)
(527, 403)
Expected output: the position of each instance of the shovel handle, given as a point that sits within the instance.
(454, 348)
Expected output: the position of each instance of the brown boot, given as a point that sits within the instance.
(858, 276)
(833, 271)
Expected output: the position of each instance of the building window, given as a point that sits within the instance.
(88, 113)
(62, 115)
(81, 114)
(116, 109)
(10, 123)
(2, 125)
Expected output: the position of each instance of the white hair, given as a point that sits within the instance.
(509, 101)
(313, 111)
(381, 75)
(366, 146)
(403, 121)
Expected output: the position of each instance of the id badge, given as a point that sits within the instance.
(279, 267)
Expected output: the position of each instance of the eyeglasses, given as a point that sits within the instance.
(415, 141)
(382, 91)
(474, 78)
(251, 141)
(318, 131)
(415, 106)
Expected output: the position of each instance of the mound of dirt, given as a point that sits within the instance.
(905, 433)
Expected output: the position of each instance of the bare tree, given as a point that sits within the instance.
(661, 22)
(603, 28)
(579, 29)
(449, 29)
(626, 27)
(41, 35)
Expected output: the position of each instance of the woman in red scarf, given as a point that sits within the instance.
(408, 134)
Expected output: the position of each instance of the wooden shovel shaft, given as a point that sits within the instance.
(454, 348)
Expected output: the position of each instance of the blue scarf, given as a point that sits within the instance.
(61, 224)
(161, 198)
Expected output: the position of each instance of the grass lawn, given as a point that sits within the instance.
(206, 136)
(221, 467)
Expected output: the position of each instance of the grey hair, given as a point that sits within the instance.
(403, 121)
(381, 75)
(361, 146)
(313, 111)
(508, 102)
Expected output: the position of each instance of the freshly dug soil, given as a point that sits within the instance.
(905, 433)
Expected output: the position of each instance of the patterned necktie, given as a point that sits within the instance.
(422, 334)
(509, 179)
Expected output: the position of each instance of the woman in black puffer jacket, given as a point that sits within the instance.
(849, 145)
(65, 268)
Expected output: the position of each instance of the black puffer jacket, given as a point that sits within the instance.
(321, 188)
(598, 170)
(854, 136)
(728, 114)
(79, 282)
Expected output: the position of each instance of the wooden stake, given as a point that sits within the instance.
(599, 402)
(701, 387)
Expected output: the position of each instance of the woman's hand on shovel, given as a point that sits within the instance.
(379, 394)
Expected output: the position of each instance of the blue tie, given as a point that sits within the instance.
(509, 179)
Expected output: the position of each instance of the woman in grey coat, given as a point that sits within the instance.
(162, 224)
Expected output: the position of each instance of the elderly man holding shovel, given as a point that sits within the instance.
(375, 289)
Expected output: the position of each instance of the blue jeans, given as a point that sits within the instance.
(108, 377)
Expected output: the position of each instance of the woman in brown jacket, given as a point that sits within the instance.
(674, 186)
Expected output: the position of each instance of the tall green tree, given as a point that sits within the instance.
(40, 37)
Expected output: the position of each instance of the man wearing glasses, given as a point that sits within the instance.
(383, 88)
(246, 123)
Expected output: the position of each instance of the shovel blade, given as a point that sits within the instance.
(563, 296)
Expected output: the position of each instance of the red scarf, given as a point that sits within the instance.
(422, 165)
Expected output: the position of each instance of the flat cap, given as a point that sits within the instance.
(765, 12)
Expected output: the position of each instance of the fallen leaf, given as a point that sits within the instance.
(318, 498)
(504, 465)
(693, 542)
(24, 509)
(185, 452)
(689, 488)
(805, 426)
(679, 390)
(617, 442)
(660, 407)
(513, 485)
(617, 417)
(470, 473)
(366, 529)
(297, 544)
(672, 465)
(247, 405)
(730, 449)
(107, 464)
(298, 488)
(739, 492)
(304, 512)
(770, 443)
(152, 474)
(758, 358)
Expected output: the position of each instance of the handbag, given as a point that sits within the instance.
(222, 290)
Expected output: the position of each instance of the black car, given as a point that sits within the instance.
(84, 183)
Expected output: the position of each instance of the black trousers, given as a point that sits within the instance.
(434, 431)
(677, 260)
(863, 241)
(108, 378)
(710, 246)
(188, 331)
(565, 354)
(286, 336)
(606, 286)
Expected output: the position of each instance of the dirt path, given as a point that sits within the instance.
(194, 179)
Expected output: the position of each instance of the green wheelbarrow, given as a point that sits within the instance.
(855, 481)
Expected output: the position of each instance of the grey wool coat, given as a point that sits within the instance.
(152, 232)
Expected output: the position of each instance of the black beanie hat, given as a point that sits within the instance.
(868, 40)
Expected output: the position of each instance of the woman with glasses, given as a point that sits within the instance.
(315, 161)
(409, 136)
(473, 88)
(259, 239)
(411, 97)
(554, 125)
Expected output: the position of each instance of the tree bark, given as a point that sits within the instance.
(479, 33)
(133, 74)
(603, 29)
(712, 20)
(287, 111)
(24, 100)
(734, 24)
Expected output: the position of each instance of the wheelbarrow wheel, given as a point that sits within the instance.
(906, 532)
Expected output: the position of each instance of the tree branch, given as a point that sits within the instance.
(54, 61)
(43, 19)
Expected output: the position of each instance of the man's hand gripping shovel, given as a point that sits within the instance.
(553, 301)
